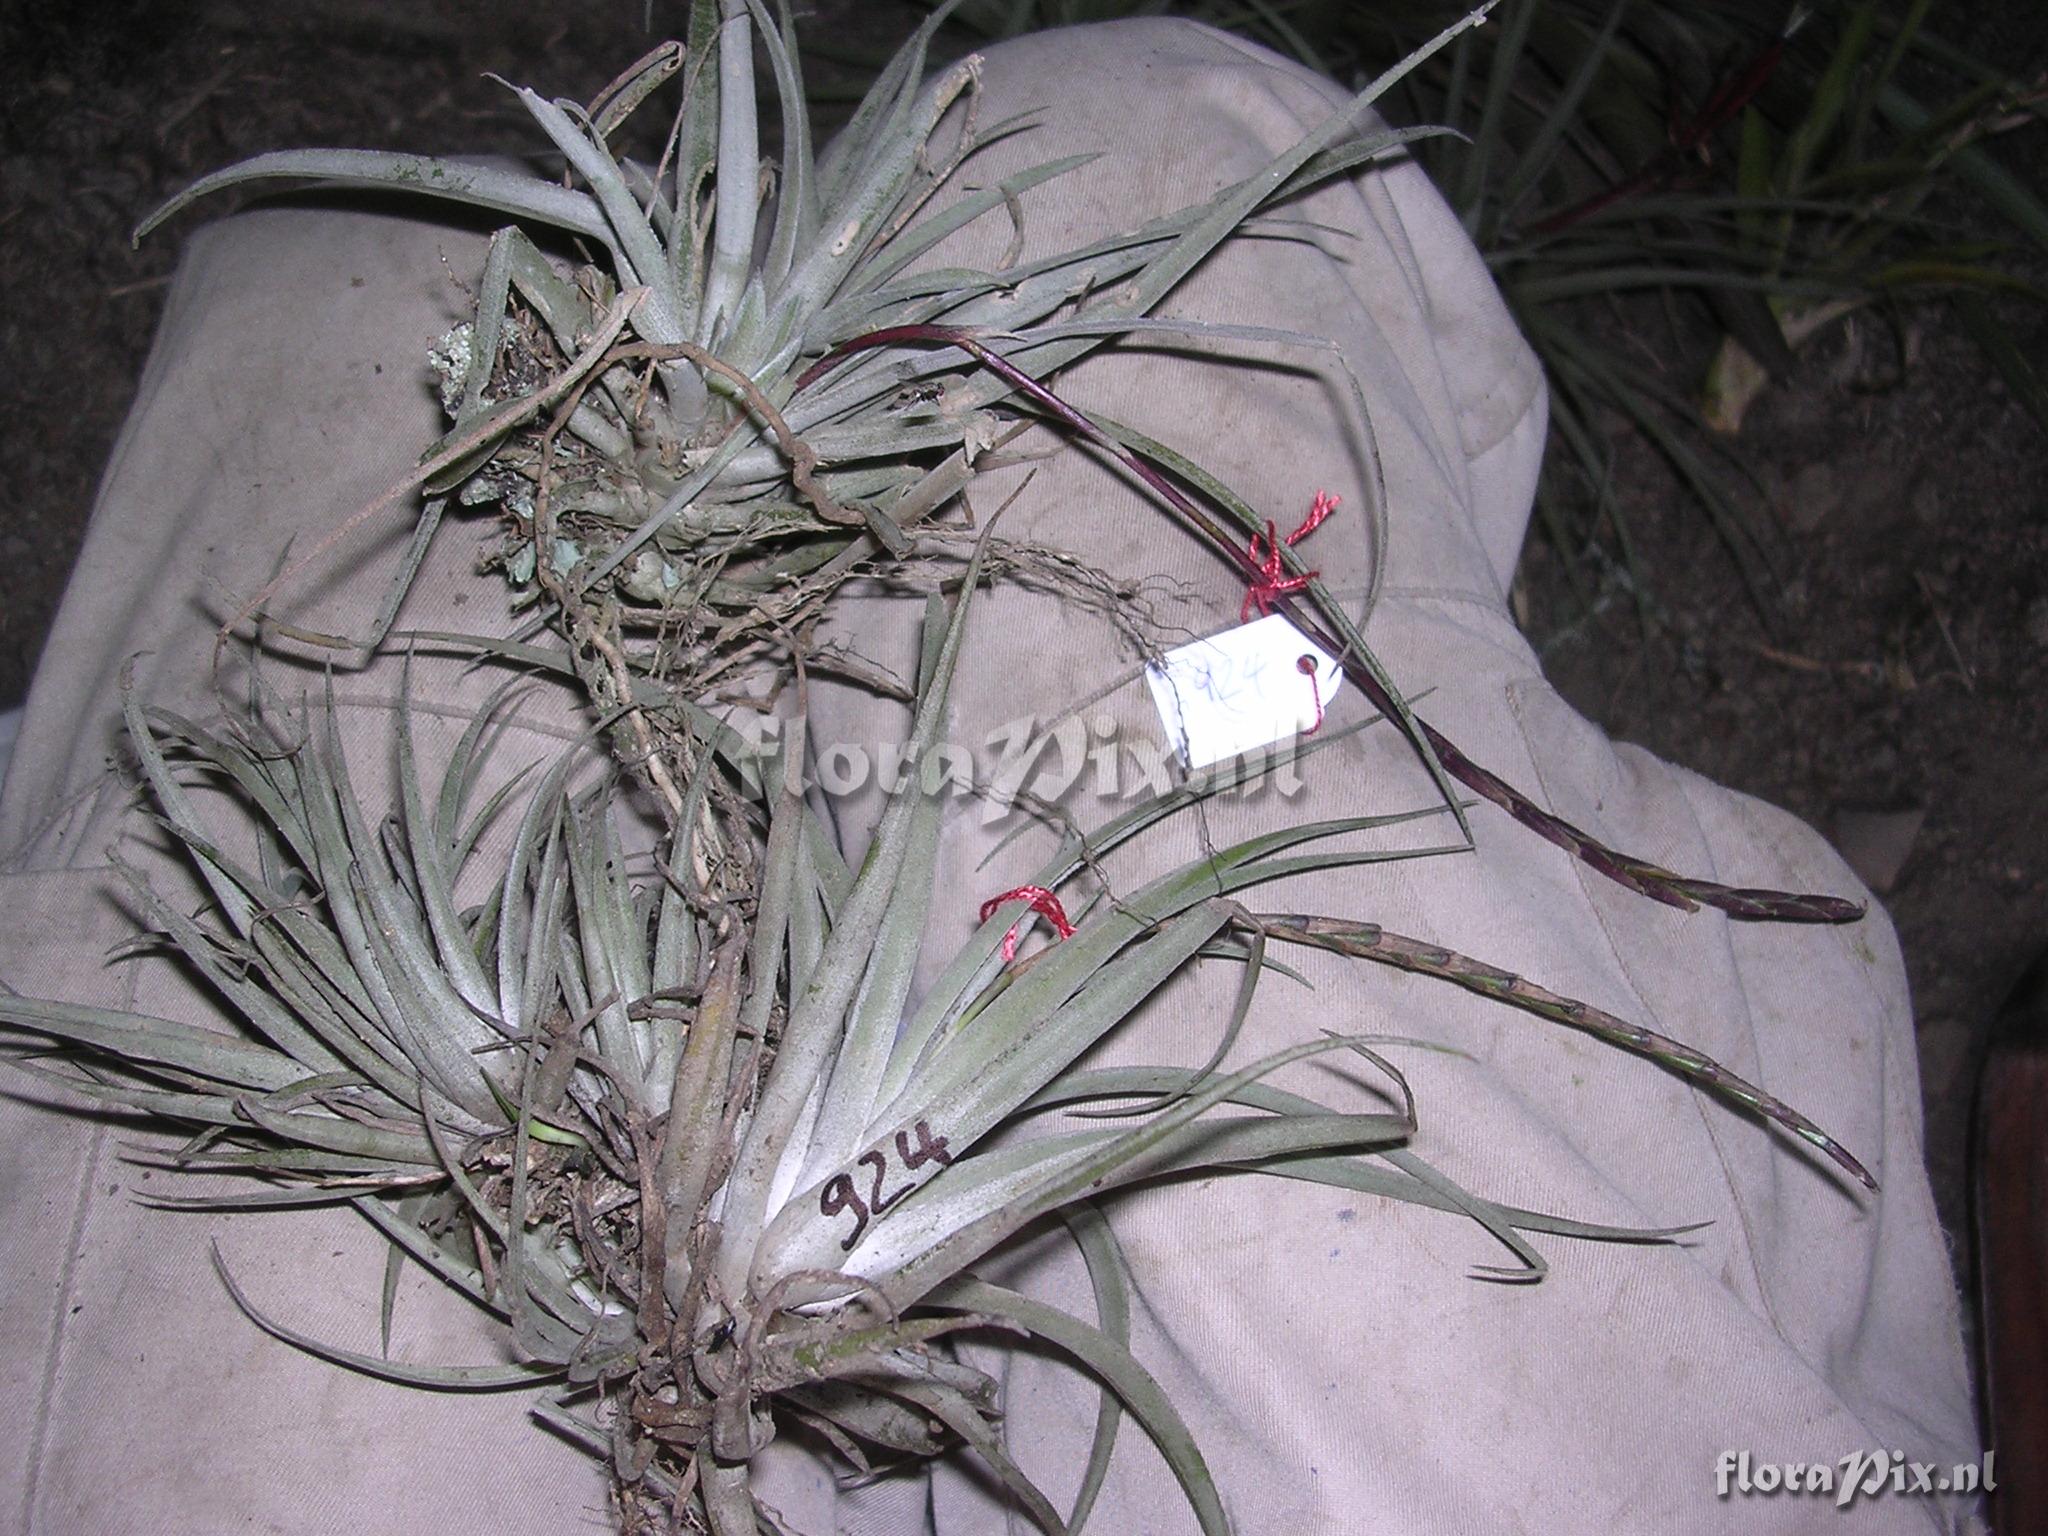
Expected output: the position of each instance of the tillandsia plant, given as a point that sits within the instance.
(677, 1121)
(688, 1139)
(654, 427)
(677, 523)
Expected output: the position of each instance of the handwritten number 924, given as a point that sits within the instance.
(840, 1193)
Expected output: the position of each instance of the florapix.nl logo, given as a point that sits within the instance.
(1858, 1475)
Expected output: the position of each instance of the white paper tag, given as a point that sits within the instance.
(1242, 690)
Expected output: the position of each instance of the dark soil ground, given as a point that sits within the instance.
(1901, 671)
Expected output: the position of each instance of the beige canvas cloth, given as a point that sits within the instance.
(1339, 1363)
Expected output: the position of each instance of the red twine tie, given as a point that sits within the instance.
(1272, 580)
(1306, 666)
(1039, 900)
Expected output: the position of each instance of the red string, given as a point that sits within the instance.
(1306, 666)
(1039, 900)
(1273, 580)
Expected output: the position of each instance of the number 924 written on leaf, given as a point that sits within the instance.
(842, 1194)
